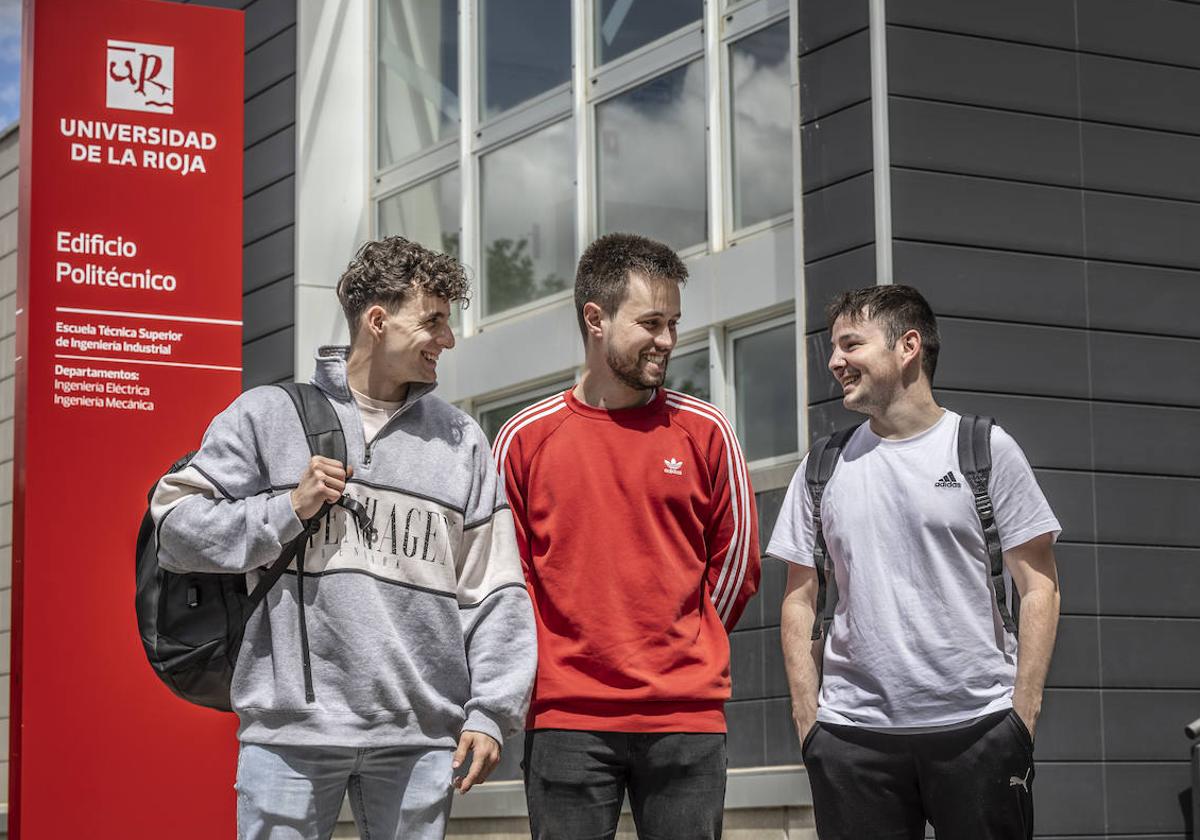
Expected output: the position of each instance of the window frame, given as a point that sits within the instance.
(733, 334)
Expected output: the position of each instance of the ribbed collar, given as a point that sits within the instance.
(331, 376)
(637, 412)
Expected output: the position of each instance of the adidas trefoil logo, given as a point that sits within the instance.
(672, 466)
(948, 480)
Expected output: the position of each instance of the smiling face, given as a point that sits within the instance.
(868, 367)
(409, 340)
(639, 337)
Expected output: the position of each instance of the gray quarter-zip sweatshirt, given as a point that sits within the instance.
(423, 632)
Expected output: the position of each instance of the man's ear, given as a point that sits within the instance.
(593, 317)
(910, 347)
(373, 320)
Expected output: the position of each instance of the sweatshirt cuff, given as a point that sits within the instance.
(480, 721)
(282, 518)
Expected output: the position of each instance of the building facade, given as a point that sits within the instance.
(1030, 166)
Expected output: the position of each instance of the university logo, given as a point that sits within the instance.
(672, 466)
(141, 77)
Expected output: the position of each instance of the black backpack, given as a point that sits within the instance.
(975, 462)
(192, 624)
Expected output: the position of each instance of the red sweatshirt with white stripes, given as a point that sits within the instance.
(639, 537)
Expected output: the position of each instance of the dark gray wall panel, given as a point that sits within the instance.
(1139, 94)
(271, 62)
(771, 589)
(1144, 368)
(821, 384)
(839, 218)
(1049, 22)
(1149, 581)
(1143, 299)
(835, 76)
(1012, 358)
(269, 161)
(1147, 797)
(1143, 230)
(775, 682)
(1139, 161)
(1077, 578)
(956, 209)
(981, 141)
(1076, 662)
(746, 721)
(1069, 727)
(1066, 798)
(1053, 433)
(268, 259)
(1148, 725)
(268, 359)
(746, 663)
(836, 147)
(783, 744)
(1070, 497)
(1155, 30)
(267, 18)
(1138, 510)
(271, 110)
(998, 285)
(827, 278)
(269, 210)
(1146, 439)
(827, 417)
(1150, 653)
(823, 21)
(977, 71)
(268, 309)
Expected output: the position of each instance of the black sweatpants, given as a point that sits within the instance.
(971, 783)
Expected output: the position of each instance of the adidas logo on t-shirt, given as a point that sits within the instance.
(948, 480)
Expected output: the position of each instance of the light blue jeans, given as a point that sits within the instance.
(295, 793)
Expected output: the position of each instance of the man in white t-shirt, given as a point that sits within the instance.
(927, 705)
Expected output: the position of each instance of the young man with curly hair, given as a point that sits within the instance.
(394, 651)
(637, 528)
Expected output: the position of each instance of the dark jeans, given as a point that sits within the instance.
(575, 782)
(971, 783)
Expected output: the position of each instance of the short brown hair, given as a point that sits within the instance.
(387, 271)
(604, 268)
(898, 309)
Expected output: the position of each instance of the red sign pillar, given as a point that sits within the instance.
(128, 342)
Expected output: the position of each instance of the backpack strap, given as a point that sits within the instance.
(822, 459)
(326, 438)
(975, 461)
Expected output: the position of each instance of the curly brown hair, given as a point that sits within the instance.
(603, 274)
(387, 271)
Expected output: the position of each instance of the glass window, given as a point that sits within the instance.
(688, 372)
(528, 228)
(525, 49)
(427, 213)
(491, 419)
(760, 90)
(418, 76)
(625, 25)
(651, 150)
(765, 387)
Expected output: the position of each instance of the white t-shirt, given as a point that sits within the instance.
(916, 639)
(375, 413)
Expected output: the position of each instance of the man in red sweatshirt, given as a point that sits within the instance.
(637, 528)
